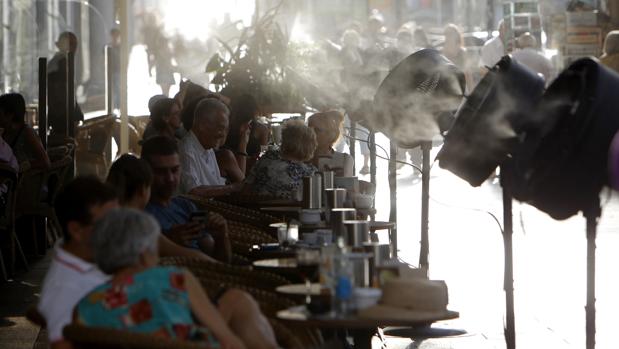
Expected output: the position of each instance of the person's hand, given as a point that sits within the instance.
(244, 132)
(216, 223)
(183, 234)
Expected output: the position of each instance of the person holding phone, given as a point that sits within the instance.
(180, 219)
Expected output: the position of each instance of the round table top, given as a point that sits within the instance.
(257, 253)
(300, 315)
(381, 225)
(276, 263)
(281, 209)
(316, 289)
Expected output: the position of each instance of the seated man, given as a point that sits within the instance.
(71, 274)
(200, 173)
(132, 178)
(174, 213)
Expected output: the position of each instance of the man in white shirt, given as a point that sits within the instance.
(71, 275)
(529, 56)
(494, 49)
(200, 173)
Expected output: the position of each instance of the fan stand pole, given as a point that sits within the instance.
(425, 206)
(372, 146)
(393, 197)
(591, 216)
(353, 144)
(508, 275)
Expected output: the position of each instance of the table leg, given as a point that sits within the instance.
(363, 338)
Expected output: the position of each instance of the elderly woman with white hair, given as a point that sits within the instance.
(279, 173)
(140, 296)
(327, 128)
(610, 58)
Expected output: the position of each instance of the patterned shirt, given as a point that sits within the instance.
(274, 176)
(154, 301)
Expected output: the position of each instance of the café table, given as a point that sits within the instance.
(316, 289)
(281, 209)
(288, 267)
(362, 329)
(272, 264)
(257, 252)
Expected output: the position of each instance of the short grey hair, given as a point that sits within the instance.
(207, 108)
(527, 40)
(298, 140)
(121, 236)
(611, 43)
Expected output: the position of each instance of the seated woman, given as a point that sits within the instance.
(132, 178)
(232, 158)
(25, 143)
(279, 173)
(610, 58)
(165, 120)
(327, 127)
(141, 297)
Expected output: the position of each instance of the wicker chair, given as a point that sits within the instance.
(243, 237)
(229, 273)
(103, 338)
(240, 260)
(33, 201)
(248, 233)
(57, 176)
(93, 145)
(231, 212)
(8, 177)
(30, 195)
(254, 201)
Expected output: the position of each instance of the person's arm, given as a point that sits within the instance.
(229, 163)
(217, 226)
(167, 248)
(40, 160)
(209, 191)
(241, 152)
(207, 315)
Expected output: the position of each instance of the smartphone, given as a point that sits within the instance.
(199, 216)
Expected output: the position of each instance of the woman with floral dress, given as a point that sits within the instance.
(165, 302)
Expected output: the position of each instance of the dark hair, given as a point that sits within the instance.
(129, 174)
(152, 101)
(160, 110)
(193, 91)
(77, 197)
(158, 146)
(14, 104)
(189, 110)
(243, 109)
(67, 35)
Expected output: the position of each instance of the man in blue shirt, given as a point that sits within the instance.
(175, 213)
